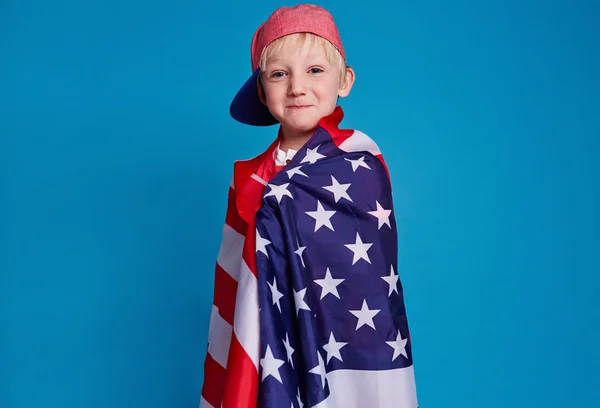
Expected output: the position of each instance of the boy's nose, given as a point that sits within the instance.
(296, 86)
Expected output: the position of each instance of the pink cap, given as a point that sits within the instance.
(303, 18)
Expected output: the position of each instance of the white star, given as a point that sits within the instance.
(312, 155)
(275, 293)
(299, 399)
(382, 215)
(360, 162)
(329, 285)
(320, 369)
(261, 244)
(299, 301)
(333, 348)
(289, 350)
(270, 365)
(391, 280)
(296, 170)
(322, 217)
(365, 315)
(338, 190)
(279, 191)
(399, 346)
(299, 252)
(359, 249)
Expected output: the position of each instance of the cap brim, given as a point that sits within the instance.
(247, 107)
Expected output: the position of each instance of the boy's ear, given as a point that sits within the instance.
(261, 93)
(348, 82)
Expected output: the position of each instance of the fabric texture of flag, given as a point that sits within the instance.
(308, 308)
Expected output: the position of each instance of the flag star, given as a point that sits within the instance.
(329, 285)
(365, 315)
(289, 350)
(279, 191)
(392, 280)
(338, 190)
(275, 293)
(312, 155)
(299, 252)
(270, 365)
(319, 369)
(360, 162)
(299, 301)
(296, 170)
(261, 244)
(382, 215)
(399, 346)
(360, 250)
(300, 404)
(322, 217)
(333, 348)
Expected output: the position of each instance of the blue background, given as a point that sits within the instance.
(116, 152)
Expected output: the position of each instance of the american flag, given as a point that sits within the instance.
(308, 308)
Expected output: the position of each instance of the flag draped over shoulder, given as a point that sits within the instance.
(308, 307)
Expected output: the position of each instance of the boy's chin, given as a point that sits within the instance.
(300, 125)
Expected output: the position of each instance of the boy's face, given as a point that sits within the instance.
(301, 86)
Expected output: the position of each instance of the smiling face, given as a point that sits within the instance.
(302, 76)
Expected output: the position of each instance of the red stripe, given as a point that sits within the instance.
(232, 217)
(214, 381)
(225, 292)
(241, 382)
(339, 136)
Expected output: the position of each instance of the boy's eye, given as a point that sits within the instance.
(277, 74)
(315, 70)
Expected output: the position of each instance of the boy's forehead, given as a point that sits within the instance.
(293, 49)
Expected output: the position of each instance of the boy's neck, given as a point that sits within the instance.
(294, 140)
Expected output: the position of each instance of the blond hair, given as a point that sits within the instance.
(301, 39)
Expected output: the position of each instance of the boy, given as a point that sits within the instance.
(308, 308)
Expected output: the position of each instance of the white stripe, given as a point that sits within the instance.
(230, 252)
(360, 142)
(219, 338)
(246, 320)
(261, 181)
(382, 389)
(204, 404)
